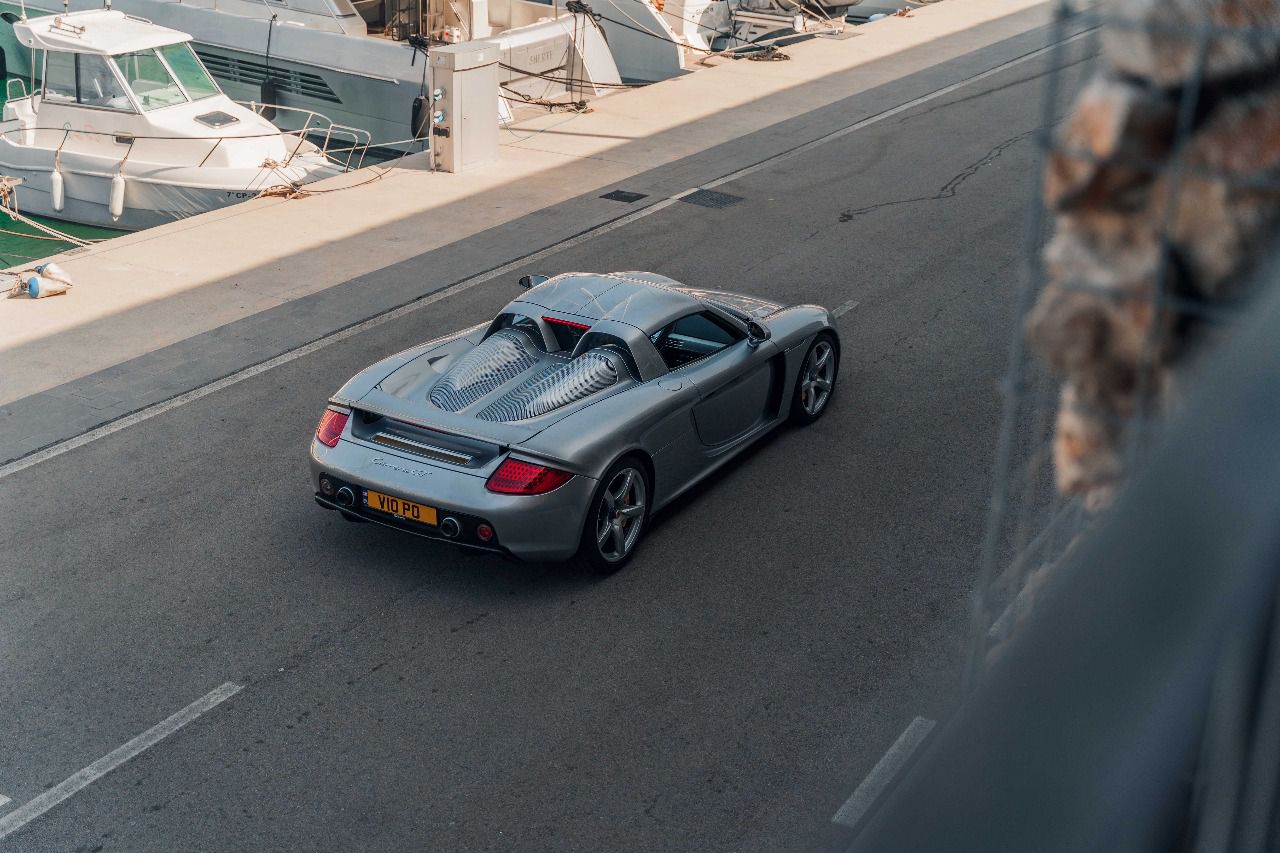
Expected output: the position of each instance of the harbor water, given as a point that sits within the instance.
(21, 245)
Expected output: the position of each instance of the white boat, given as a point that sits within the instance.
(128, 130)
(323, 56)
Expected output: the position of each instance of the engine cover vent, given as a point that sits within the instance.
(498, 359)
(588, 373)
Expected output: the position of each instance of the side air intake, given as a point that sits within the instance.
(499, 357)
(585, 375)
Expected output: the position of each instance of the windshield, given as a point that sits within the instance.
(189, 70)
(149, 79)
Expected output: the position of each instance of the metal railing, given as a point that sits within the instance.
(316, 126)
(339, 144)
(131, 140)
(1066, 448)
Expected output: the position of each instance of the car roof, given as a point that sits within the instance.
(645, 300)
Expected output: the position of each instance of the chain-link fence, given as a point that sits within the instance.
(1160, 193)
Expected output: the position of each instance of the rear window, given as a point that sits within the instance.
(567, 333)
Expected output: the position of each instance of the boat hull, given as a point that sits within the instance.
(152, 196)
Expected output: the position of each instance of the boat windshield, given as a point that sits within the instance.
(189, 70)
(149, 79)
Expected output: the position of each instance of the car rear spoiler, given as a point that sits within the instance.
(426, 416)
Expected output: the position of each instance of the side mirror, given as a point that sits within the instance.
(757, 333)
(528, 281)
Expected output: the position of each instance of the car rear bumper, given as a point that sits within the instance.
(416, 529)
(529, 527)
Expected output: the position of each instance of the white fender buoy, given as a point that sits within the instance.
(117, 196)
(56, 195)
(53, 271)
(38, 287)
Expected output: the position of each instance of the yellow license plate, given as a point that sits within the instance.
(400, 508)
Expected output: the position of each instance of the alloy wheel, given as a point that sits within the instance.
(620, 515)
(817, 378)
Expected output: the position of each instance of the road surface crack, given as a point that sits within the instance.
(950, 188)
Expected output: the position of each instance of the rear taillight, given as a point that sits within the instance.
(331, 425)
(517, 477)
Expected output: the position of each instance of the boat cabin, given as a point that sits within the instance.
(107, 60)
(122, 87)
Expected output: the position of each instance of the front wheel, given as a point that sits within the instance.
(817, 380)
(616, 518)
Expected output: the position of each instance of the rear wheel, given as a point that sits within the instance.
(817, 380)
(617, 517)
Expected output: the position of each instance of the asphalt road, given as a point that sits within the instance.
(727, 691)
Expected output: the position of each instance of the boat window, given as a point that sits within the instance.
(60, 78)
(189, 70)
(83, 78)
(149, 79)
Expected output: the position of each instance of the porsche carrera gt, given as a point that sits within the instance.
(557, 428)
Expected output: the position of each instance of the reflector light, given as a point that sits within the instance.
(331, 425)
(484, 531)
(568, 323)
(517, 477)
(326, 487)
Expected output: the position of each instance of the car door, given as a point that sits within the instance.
(732, 375)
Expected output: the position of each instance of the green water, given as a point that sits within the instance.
(20, 244)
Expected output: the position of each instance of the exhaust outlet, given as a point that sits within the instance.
(450, 527)
(346, 497)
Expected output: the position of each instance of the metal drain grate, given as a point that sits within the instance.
(624, 195)
(711, 198)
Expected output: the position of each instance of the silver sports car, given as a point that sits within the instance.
(559, 427)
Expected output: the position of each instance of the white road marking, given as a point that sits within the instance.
(23, 815)
(4, 800)
(855, 808)
(134, 418)
(890, 113)
(845, 308)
